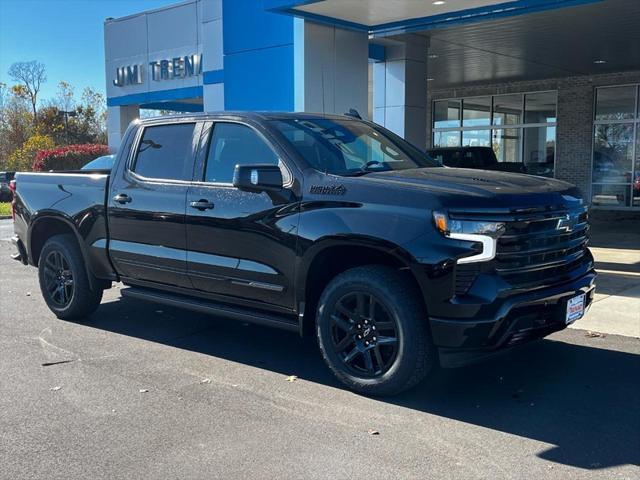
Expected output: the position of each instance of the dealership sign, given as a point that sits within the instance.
(166, 69)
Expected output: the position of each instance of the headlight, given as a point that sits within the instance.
(485, 233)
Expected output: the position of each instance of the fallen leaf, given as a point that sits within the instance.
(371, 431)
(591, 334)
(144, 390)
(205, 380)
(55, 389)
(292, 378)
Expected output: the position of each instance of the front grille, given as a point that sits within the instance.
(537, 247)
(533, 250)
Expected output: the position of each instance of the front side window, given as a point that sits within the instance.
(166, 152)
(234, 144)
(349, 147)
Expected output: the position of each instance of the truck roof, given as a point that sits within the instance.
(259, 116)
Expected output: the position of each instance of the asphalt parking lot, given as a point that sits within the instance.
(141, 391)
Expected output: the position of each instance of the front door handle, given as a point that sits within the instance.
(201, 205)
(122, 198)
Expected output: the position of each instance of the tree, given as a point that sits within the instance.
(16, 122)
(22, 159)
(30, 75)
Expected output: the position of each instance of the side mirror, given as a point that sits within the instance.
(258, 178)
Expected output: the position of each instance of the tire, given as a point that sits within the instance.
(63, 279)
(345, 324)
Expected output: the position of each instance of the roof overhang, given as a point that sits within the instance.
(393, 17)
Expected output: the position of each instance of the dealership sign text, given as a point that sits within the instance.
(177, 67)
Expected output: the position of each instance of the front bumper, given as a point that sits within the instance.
(518, 319)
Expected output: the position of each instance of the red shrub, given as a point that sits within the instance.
(68, 157)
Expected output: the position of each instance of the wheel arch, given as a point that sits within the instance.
(45, 225)
(331, 256)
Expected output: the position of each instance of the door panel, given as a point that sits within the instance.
(242, 245)
(146, 214)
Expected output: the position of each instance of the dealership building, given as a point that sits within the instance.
(554, 84)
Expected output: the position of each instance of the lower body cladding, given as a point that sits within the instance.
(519, 319)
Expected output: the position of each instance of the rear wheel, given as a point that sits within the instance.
(64, 282)
(372, 331)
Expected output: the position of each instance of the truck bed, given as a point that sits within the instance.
(80, 196)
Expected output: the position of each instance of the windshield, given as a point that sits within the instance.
(350, 147)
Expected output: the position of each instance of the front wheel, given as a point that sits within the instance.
(64, 282)
(372, 331)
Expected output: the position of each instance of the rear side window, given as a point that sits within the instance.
(235, 144)
(166, 152)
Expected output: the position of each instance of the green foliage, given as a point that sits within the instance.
(5, 209)
(22, 158)
(64, 120)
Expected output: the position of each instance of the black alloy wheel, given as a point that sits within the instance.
(65, 282)
(58, 278)
(364, 334)
(372, 330)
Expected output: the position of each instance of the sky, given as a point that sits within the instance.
(66, 35)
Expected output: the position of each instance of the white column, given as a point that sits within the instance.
(118, 119)
(400, 89)
(330, 69)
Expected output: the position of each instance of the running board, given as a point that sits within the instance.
(211, 308)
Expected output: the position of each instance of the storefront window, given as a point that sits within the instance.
(540, 150)
(520, 127)
(507, 109)
(616, 147)
(616, 103)
(446, 113)
(476, 112)
(636, 175)
(540, 107)
(506, 144)
(446, 139)
(476, 138)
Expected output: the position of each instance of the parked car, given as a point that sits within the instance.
(5, 190)
(318, 224)
(482, 158)
(104, 162)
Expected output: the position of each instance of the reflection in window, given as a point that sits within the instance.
(446, 113)
(446, 139)
(476, 138)
(166, 152)
(507, 109)
(615, 103)
(506, 144)
(612, 153)
(540, 107)
(235, 144)
(611, 195)
(476, 112)
(539, 150)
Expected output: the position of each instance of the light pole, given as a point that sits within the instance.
(67, 114)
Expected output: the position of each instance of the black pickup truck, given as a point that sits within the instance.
(314, 223)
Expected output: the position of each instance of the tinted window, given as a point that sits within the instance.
(166, 152)
(234, 144)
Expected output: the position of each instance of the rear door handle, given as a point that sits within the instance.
(202, 205)
(122, 198)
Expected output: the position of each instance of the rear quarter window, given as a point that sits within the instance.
(166, 152)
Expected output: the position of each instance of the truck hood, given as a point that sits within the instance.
(466, 187)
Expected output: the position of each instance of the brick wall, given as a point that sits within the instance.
(574, 134)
